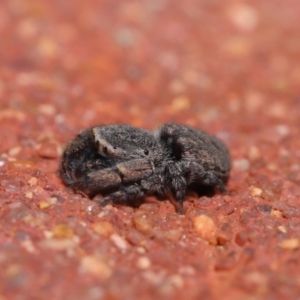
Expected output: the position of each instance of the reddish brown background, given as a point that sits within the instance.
(228, 67)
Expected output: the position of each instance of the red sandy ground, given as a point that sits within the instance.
(227, 67)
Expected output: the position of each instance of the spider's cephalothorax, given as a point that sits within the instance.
(124, 163)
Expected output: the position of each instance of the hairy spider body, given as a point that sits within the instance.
(197, 159)
(124, 163)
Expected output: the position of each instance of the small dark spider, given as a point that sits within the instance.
(124, 163)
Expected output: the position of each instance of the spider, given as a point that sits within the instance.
(124, 163)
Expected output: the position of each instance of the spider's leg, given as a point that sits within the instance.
(178, 203)
(135, 170)
(108, 179)
(126, 193)
(97, 182)
(176, 185)
(196, 173)
(123, 195)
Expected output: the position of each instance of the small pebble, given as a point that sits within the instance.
(253, 153)
(48, 48)
(272, 167)
(173, 235)
(59, 244)
(29, 195)
(135, 237)
(222, 238)
(48, 150)
(282, 130)
(47, 109)
(62, 231)
(21, 164)
(38, 190)
(150, 207)
(154, 278)
(143, 262)
(256, 280)
(206, 228)
(93, 209)
(241, 164)
(28, 246)
(119, 241)
(243, 16)
(255, 191)
(96, 266)
(186, 270)
(103, 228)
(14, 151)
(176, 280)
(276, 213)
(44, 204)
(269, 194)
(143, 221)
(180, 103)
(193, 212)
(32, 181)
(173, 282)
(281, 228)
(52, 200)
(11, 113)
(290, 244)
(140, 250)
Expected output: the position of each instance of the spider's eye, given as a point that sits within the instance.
(105, 150)
(146, 152)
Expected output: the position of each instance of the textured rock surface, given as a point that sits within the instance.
(231, 68)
